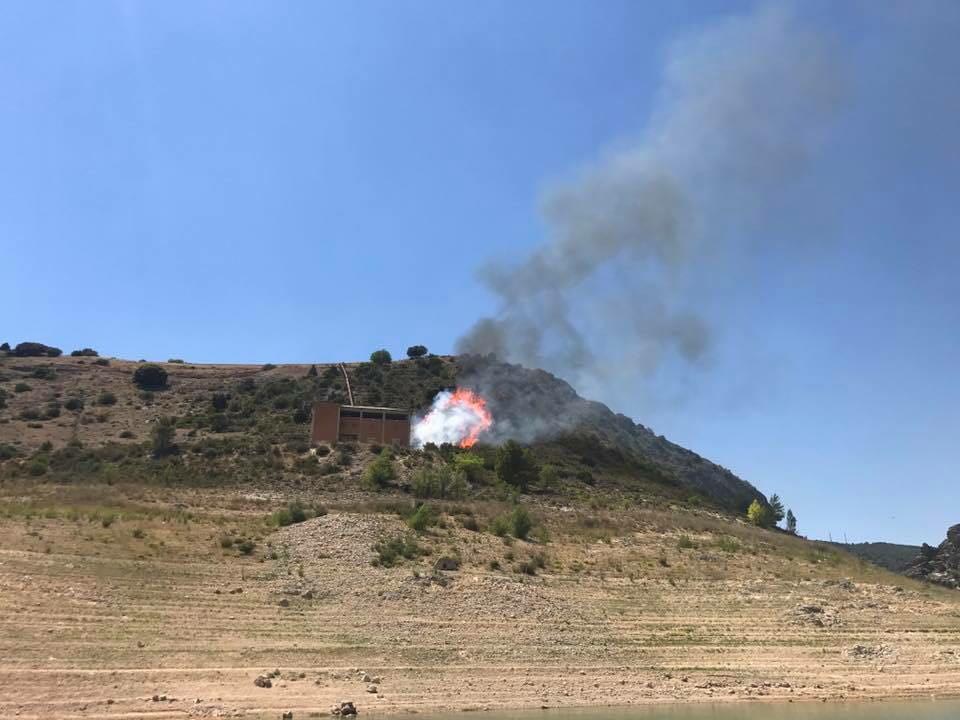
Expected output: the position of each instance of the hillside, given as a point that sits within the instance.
(242, 573)
(893, 557)
(263, 423)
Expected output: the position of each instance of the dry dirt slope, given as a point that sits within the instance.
(100, 617)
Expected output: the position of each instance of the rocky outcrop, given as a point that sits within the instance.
(941, 564)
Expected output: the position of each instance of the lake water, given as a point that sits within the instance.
(911, 710)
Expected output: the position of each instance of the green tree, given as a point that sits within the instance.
(415, 351)
(759, 514)
(163, 434)
(150, 376)
(381, 357)
(380, 472)
(776, 508)
(514, 465)
(791, 522)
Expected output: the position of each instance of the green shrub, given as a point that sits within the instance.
(500, 526)
(416, 351)
(549, 475)
(380, 472)
(470, 464)
(7, 452)
(219, 423)
(74, 404)
(685, 543)
(728, 544)
(246, 546)
(520, 522)
(34, 349)
(21, 387)
(439, 482)
(106, 398)
(392, 551)
(138, 533)
(470, 523)
(44, 373)
(422, 518)
(30, 414)
(127, 434)
(290, 515)
(103, 362)
(37, 467)
(150, 376)
(226, 542)
(380, 357)
(268, 366)
(220, 400)
(312, 372)
(175, 361)
(86, 352)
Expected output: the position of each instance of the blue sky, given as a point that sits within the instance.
(306, 182)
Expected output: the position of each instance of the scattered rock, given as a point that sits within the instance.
(372, 688)
(287, 716)
(344, 707)
(870, 652)
(263, 681)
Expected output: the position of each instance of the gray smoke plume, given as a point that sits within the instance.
(633, 241)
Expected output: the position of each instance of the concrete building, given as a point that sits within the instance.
(333, 422)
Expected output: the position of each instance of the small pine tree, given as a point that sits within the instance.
(520, 522)
(163, 434)
(776, 508)
(513, 465)
(791, 522)
(759, 514)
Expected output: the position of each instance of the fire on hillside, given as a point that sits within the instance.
(457, 417)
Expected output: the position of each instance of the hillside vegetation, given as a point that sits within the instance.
(76, 417)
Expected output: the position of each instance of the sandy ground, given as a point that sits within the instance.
(150, 617)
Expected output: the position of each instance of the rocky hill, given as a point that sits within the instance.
(81, 414)
(940, 564)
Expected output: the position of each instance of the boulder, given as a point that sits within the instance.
(263, 681)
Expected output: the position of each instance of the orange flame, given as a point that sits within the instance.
(467, 397)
